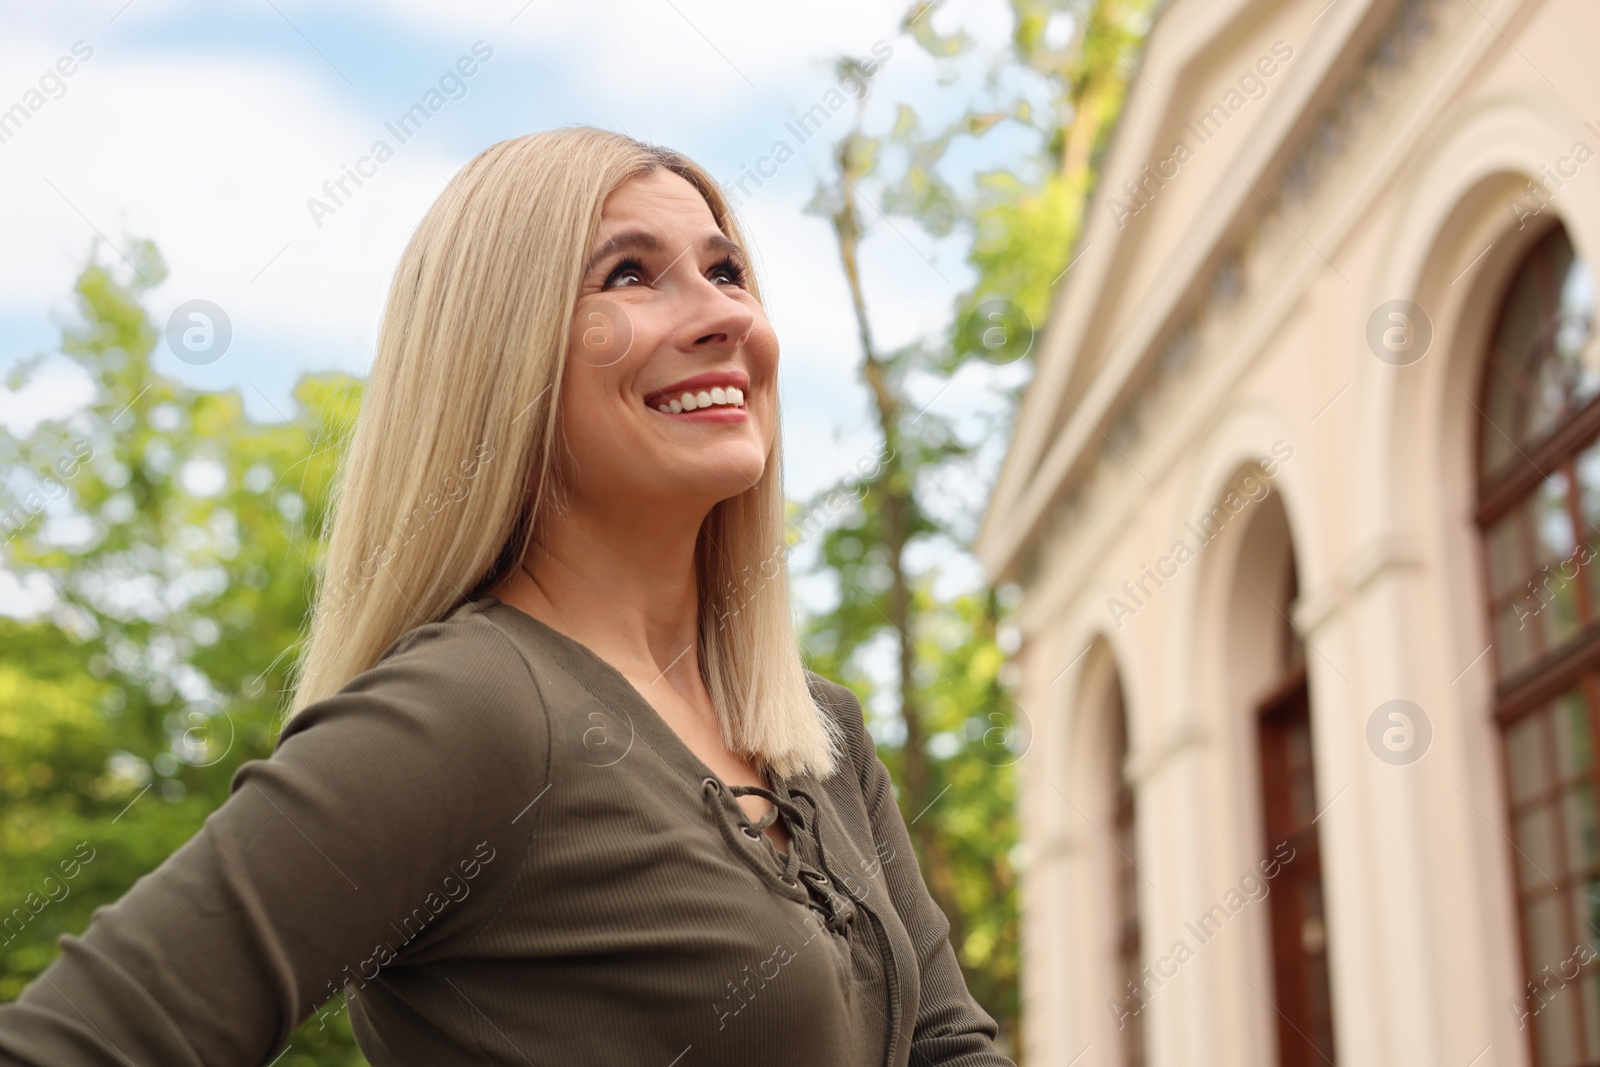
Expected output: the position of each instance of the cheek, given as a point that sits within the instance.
(763, 344)
(761, 360)
(602, 334)
(588, 414)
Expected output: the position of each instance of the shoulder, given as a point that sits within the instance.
(457, 690)
(837, 700)
(400, 784)
(465, 653)
(840, 703)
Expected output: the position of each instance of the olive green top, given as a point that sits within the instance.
(490, 849)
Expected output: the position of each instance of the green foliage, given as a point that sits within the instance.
(959, 734)
(179, 539)
(971, 748)
(972, 735)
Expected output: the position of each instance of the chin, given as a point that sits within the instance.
(733, 467)
(724, 484)
(701, 483)
(731, 487)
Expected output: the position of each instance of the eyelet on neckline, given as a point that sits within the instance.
(716, 786)
(751, 832)
(816, 877)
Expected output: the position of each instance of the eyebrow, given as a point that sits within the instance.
(644, 241)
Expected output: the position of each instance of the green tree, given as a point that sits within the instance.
(960, 733)
(176, 539)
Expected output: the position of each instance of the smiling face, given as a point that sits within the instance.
(670, 388)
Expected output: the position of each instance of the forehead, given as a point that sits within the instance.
(657, 200)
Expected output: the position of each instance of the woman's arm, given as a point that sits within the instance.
(952, 1029)
(372, 837)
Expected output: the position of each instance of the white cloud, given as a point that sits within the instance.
(213, 150)
(57, 389)
(215, 159)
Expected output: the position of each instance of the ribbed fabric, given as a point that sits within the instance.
(490, 849)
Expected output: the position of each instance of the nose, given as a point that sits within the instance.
(712, 318)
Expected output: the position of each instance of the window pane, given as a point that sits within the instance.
(1526, 755)
(1534, 566)
(1546, 934)
(1588, 465)
(1577, 817)
(1538, 531)
(1536, 847)
(1588, 557)
(1515, 644)
(1532, 629)
(1573, 750)
(1587, 904)
(1558, 1037)
(1540, 368)
(1302, 784)
(1558, 622)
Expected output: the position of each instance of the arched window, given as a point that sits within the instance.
(1303, 993)
(1539, 510)
(1123, 833)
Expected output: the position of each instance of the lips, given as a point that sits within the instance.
(699, 383)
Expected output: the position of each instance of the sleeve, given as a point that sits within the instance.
(383, 819)
(952, 1029)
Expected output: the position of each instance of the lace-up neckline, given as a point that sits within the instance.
(802, 872)
(794, 821)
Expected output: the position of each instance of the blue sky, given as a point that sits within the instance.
(207, 126)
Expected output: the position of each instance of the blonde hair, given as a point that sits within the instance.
(462, 407)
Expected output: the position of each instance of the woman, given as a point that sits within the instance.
(556, 787)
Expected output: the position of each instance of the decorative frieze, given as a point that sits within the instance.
(1256, 247)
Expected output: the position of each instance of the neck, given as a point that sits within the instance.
(624, 585)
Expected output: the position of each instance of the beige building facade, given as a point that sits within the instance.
(1302, 503)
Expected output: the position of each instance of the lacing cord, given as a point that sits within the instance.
(837, 910)
(793, 816)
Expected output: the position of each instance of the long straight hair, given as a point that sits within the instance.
(450, 474)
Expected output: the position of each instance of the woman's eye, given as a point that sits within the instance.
(728, 270)
(624, 274)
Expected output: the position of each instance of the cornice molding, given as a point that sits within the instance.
(1153, 363)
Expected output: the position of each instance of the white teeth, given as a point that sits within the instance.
(705, 398)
